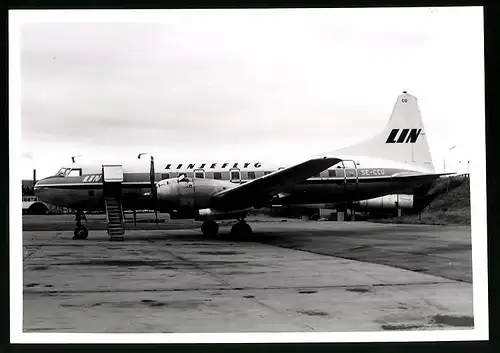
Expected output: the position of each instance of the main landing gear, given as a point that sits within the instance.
(241, 229)
(80, 232)
(209, 228)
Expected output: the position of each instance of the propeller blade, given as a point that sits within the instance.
(154, 194)
(152, 172)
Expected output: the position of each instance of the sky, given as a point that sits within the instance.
(267, 85)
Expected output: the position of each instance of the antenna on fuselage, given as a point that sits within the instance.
(73, 158)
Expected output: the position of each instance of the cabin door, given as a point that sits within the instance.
(351, 178)
(112, 177)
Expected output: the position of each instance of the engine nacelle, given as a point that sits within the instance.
(387, 202)
(212, 214)
(188, 194)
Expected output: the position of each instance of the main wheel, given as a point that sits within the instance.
(80, 233)
(241, 229)
(209, 228)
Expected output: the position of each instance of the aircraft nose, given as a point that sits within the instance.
(40, 190)
(38, 185)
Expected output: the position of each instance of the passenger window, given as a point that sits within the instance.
(251, 175)
(199, 175)
(266, 173)
(235, 175)
(165, 176)
(217, 175)
(331, 173)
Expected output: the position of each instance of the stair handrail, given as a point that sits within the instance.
(123, 215)
(107, 212)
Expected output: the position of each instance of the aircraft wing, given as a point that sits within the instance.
(261, 189)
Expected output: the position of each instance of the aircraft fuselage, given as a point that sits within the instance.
(339, 183)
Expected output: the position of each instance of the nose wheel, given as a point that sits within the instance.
(80, 232)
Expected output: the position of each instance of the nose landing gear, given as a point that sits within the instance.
(81, 232)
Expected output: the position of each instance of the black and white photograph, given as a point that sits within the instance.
(247, 175)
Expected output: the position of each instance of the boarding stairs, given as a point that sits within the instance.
(116, 224)
(112, 189)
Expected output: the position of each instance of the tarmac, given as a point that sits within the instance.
(299, 276)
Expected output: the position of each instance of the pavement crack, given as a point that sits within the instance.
(198, 267)
(276, 311)
(41, 246)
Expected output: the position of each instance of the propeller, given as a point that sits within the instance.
(154, 194)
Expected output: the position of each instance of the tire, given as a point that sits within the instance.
(209, 228)
(241, 230)
(80, 233)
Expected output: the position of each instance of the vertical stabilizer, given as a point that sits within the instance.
(403, 139)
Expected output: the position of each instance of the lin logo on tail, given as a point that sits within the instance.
(403, 136)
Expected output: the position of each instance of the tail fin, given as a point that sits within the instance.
(403, 139)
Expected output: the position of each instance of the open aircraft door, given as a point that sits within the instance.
(112, 176)
(351, 178)
(112, 173)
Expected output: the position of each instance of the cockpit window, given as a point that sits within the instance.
(61, 172)
(74, 172)
(69, 172)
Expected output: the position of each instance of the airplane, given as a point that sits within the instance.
(396, 160)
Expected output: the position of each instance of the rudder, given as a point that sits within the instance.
(403, 139)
